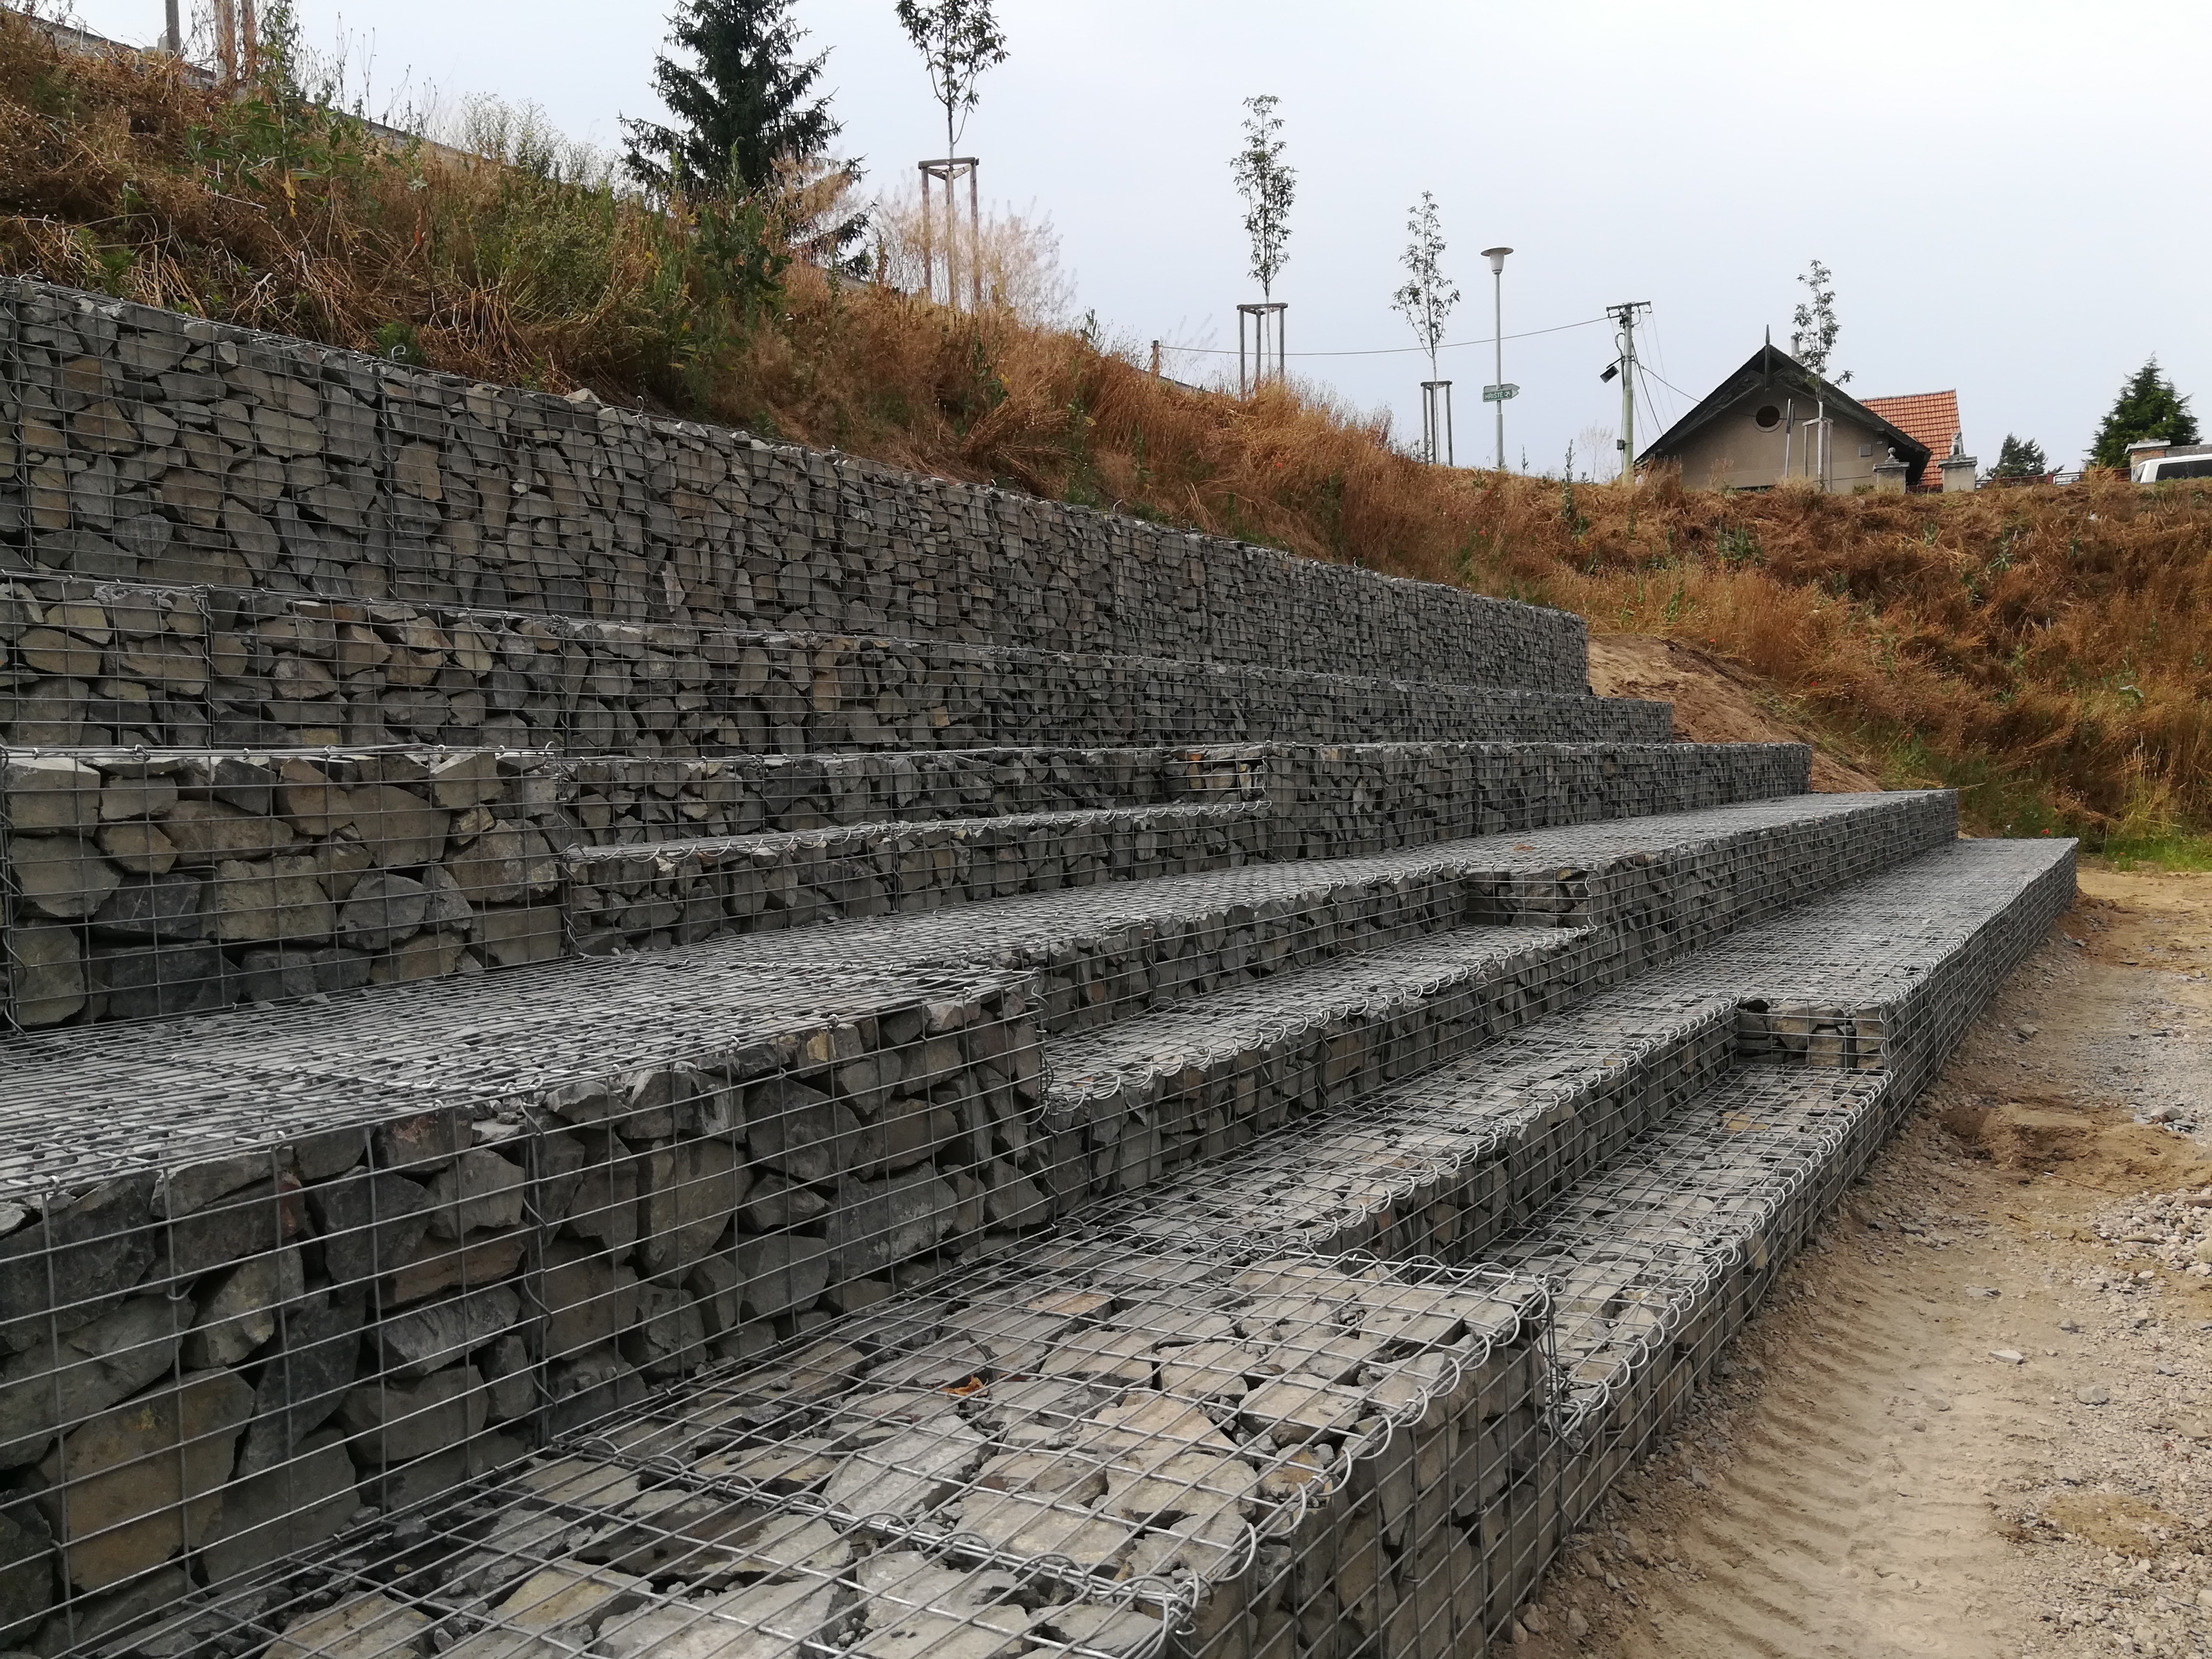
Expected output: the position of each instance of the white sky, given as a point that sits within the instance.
(1980, 177)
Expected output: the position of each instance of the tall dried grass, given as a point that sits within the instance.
(2043, 648)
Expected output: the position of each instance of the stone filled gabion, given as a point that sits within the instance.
(629, 1039)
(171, 451)
(1085, 1446)
(151, 885)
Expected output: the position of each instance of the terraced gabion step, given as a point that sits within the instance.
(152, 442)
(1659, 1260)
(1655, 886)
(1882, 974)
(1338, 800)
(653, 894)
(1438, 1164)
(443, 1218)
(155, 884)
(1125, 1102)
(1083, 1451)
(90, 664)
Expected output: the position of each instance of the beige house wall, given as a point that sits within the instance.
(1732, 453)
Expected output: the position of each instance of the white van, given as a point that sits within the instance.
(2159, 468)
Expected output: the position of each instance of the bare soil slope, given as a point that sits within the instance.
(1714, 701)
(1977, 1420)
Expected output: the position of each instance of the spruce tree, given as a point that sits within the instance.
(2019, 457)
(742, 104)
(2148, 407)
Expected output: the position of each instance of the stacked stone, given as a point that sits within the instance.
(176, 452)
(151, 884)
(888, 1283)
(1086, 1450)
(223, 1301)
(86, 663)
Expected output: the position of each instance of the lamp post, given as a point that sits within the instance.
(1498, 391)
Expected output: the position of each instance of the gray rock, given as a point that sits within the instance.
(369, 1224)
(670, 1338)
(61, 877)
(480, 1189)
(60, 1268)
(250, 1221)
(588, 1385)
(166, 909)
(158, 982)
(50, 1385)
(510, 1379)
(875, 1223)
(440, 1334)
(590, 1299)
(384, 909)
(395, 1421)
(688, 1194)
(144, 1478)
(283, 1511)
(238, 1309)
(46, 975)
(799, 1132)
(52, 793)
(304, 1380)
(27, 1571)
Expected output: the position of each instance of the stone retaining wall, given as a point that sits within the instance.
(145, 445)
(93, 664)
(147, 886)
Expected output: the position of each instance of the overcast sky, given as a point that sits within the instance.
(2006, 193)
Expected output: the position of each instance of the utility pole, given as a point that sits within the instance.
(1625, 316)
(1498, 391)
(172, 37)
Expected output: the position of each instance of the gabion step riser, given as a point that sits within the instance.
(113, 664)
(165, 447)
(470, 859)
(1430, 1450)
(1441, 1165)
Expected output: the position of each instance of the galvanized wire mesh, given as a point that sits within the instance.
(173, 450)
(1081, 1447)
(153, 887)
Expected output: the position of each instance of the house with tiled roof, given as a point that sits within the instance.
(1775, 419)
(1931, 416)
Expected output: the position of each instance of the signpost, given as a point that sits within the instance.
(1498, 394)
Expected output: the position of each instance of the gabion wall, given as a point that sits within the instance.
(143, 885)
(111, 663)
(1085, 1449)
(155, 447)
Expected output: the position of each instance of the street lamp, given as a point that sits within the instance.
(1498, 391)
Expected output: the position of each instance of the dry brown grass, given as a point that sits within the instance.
(2043, 647)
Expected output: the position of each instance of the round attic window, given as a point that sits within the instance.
(1768, 417)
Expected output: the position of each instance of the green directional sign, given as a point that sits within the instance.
(1498, 394)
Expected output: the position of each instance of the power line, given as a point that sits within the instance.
(1399, 351)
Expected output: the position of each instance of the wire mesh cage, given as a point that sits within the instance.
(1082, 1448)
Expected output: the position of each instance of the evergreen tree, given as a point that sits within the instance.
(2019, 457)
(2148, 407)
(743, 105)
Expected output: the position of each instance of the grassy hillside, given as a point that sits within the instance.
(2043, 649)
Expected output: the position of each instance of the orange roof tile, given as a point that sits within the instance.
(1932, 418)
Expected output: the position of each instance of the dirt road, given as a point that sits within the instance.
(1977, 1419)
